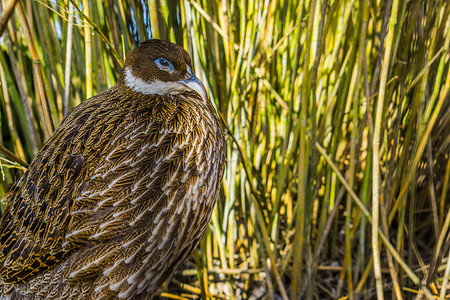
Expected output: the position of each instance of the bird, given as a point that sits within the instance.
(122, 192)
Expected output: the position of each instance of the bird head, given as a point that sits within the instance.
(160, 67)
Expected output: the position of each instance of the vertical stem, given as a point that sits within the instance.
(68, 60)
(21, 86)
(88, 52)
(302, 162)
(200, 275)
(168, 31)
(351, 177)
(6, 14)
(444, 193)
(360, 258)
(154, 23)
(376, 151)
(9, 115)
(392, 268)
(445, 281)
(37, 70)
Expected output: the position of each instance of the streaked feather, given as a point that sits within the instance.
(115, 201)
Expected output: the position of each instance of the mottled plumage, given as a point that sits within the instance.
(122, 192)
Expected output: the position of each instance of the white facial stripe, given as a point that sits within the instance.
(156, 87)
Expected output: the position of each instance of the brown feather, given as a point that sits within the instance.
(119, 196)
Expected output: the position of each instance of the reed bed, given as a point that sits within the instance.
(337, 121)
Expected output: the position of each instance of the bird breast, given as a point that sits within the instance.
(153, 192)
(129, 182)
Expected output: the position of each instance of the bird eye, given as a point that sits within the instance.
(163, 64)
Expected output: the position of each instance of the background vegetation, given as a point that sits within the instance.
(337, 116)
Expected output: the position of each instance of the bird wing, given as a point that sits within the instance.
(34, 223)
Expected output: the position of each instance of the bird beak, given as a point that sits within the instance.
(195, 84)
